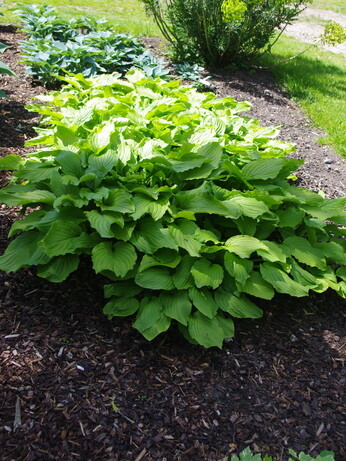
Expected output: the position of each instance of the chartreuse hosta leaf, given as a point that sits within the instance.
(183, 204)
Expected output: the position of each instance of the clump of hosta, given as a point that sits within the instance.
(183, 204)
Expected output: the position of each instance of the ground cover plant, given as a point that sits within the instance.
(178, 200)
(219, 33)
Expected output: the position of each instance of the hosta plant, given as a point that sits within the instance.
(180, 202)
(4, 69)
(55, 46)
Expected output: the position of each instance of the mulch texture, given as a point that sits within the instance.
(75, 386)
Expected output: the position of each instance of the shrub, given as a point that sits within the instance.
(183, 204)
(219, 32)
(56, 46)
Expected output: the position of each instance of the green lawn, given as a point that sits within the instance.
(336, 5)
(316, 80)
(127, 15)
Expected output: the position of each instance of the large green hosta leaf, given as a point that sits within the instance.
(237, 306)
(199, 201)
(65, 237)
(244, 245)
(207, 274)
(182, 277)
(149, 236)
(151, 321)
(24, 251)
(246, 206)
(163, 257)
(103, 222)
(155, 279)
(206, 331)
(185, 234)
(118, 258)
(59, 268)
(121, 307)
(10, 162)
(16, 195)
(177, 305)
(305, 252)
(256, 286)
(238, 268)
(263, 168)
(118, 200)
(281, 281)
(203, 300)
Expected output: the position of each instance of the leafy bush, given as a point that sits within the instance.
(246, 455)
(219, 32)
(178, 200)
(56, 46)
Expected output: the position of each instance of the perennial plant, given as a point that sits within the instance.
(186, 207)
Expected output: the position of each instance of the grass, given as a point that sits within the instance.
(335, 5)
(127, 16)
(316, 80)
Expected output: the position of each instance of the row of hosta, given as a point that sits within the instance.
(55, 46)
(185, 206)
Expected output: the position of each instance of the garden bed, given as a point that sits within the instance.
(77, 386)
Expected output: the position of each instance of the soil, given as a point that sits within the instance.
(76, 386)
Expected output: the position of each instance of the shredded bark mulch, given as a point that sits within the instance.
(74, 385)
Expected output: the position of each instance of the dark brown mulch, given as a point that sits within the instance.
(74, 385)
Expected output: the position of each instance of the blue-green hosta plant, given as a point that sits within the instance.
(180, 202)
(55, 46)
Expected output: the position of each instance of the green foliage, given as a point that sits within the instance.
(131, 19)
(220, 32)
(323, 456)
(192, 72)
(334, 34)
(246, 455)
(4, 69)
(183, 204)
(56, 46)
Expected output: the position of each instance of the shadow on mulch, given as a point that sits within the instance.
(14, 133)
